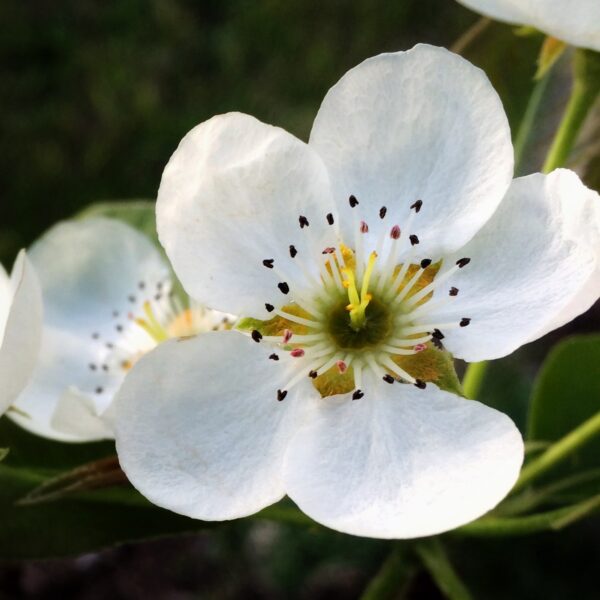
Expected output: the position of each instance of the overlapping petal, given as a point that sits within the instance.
(21, 329)
(402, 462)
(199, 429)
(90, 272)
(534, 267)
(231, 197)
(573, 21)
(423, 124)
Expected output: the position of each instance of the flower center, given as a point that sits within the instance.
(366, 310)
(375, 326)
(154, 314)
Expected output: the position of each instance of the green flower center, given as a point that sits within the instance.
(376, 326)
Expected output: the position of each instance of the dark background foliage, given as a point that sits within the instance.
(95, 96)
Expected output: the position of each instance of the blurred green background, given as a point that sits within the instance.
(95, 96)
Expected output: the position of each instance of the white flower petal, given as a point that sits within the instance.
(63, 364)
(573, 21)
(231, 197)
(423, 124)
(534, 267)
(76, 416)
(510, 11)
(90, 271)
(21, 330)
(402, 462)
(199, 429)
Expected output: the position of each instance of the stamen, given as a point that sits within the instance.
(420, 384)
(273, 356)
(297, 353)
(293, 251)
(303, 221)
(417, 205)
(392, 366)
(269, 307)
(414, 240)
(268, 262)
(357, 395)
(324, 368)
(151, 325)
(409, 286)
(453, 291)
(341, 366)
(382, 212)
(296, 319)
(428, 327)
(364, 227)
(463, 262)
(410, 342)
(395, 232)
(435, 283)
(398, 351)
(287, 335)
(358, 367)
(283, 287)
(388, 378)
(353, 201)
(464, 321)
(329, 218)
(281, 394)
(256, 335)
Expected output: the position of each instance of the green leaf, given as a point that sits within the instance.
(137, 213)
(567, 393)
(79, 524)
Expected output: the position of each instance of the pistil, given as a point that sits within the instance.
(358, 303)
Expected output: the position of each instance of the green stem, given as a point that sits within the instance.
(473, 379)
(434, 558)
(470, 35)
(585, 90)
(515, 526)
(559, 451)
(526, 127)
(393, 577)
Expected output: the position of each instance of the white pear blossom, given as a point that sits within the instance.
(574, 21)
(108, 295)
(396, 229)
(20, 328)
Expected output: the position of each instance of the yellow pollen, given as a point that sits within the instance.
(358, 302)
(183, 325)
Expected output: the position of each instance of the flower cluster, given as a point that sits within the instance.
(360, 264)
